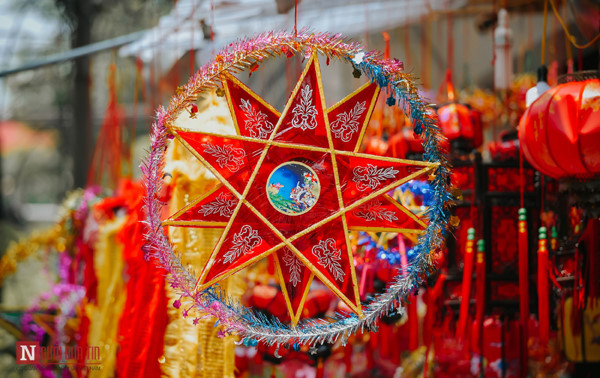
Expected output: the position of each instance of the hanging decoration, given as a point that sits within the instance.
(560, 131)
(543, 288)
(463, 317)
(523, 244)
(293, 184)
(503, 60)
(459, 124)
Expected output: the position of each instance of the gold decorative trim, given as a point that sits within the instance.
(405, 210)
(294, 316)
(194, 224)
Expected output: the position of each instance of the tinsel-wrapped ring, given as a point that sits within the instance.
(233, 318)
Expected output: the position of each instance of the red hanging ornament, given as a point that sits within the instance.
(461, 327)
(523, 283)
(543, 288)
(560, 131)
(110, 147)
(480, 288)
(413, 323)
(459, 124)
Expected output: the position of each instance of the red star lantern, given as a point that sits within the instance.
(293, 186)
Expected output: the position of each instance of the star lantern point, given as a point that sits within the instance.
(292, 187)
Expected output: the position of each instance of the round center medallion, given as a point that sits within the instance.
(293, 188)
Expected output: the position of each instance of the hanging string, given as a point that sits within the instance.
(450, 57)
(366, 10)
(569, 36)
(569, 49)
(407, 51)
(450, 42)
(193, 22)
(542, 194)
(386, 40)
(109, 150)
(295, 18)
(495, 91)
(155, 68)
(175, 79)
(212, 22)
(521, 176)
(544, 32)
(553, 42)
(426, 50)
(138, 86)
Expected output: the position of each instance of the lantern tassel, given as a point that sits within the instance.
(463, 313)
(543, 288)
(413, 324)
(479, 294)
(524, 285)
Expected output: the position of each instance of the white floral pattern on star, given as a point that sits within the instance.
(373, 211)
(227, 156)
(329, 257)
(243, 242)
(371, 176)
(346, 124)
(294, 265)
(222, 205)
(305, 113)
(256, 121)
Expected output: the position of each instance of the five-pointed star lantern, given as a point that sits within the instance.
(293, 185)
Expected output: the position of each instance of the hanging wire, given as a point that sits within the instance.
(212, 22)
(544, 32)
(193, 24)
(295, 18)
(569, 36)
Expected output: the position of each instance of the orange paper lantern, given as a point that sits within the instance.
(560, 131)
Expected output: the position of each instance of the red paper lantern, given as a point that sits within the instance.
(458, 122)
(560, 131)
(403, 144)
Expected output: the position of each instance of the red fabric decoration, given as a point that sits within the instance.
(413, 324)
(492, 348)
(386, 339)
(434, 299)
(479, 292)
(144, 318)
(463, 313)
(512, 348)
(543, 288)
(591, 239)
(560, 131)
(110, 148)
(523, 284)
